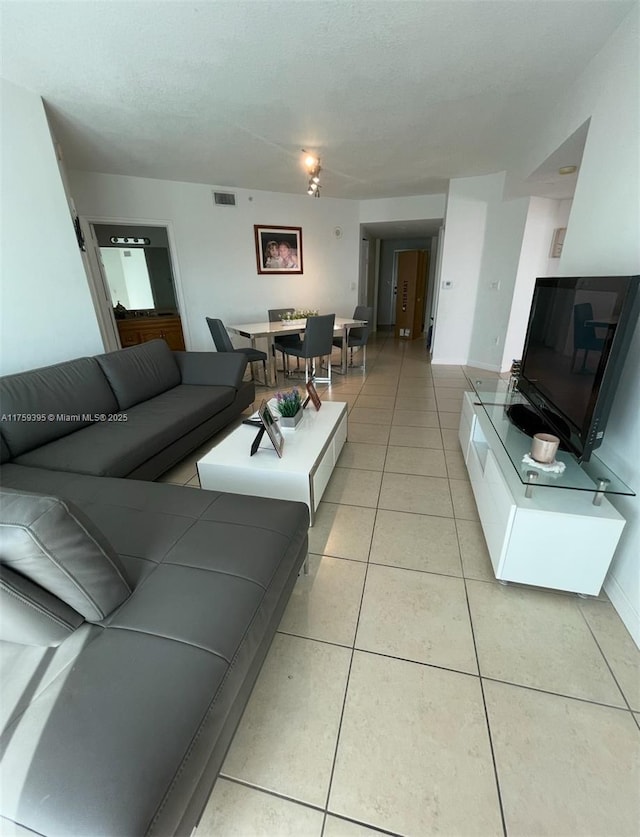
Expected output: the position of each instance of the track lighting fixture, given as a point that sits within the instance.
(313, 167)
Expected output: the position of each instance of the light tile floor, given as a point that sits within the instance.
(406, 692)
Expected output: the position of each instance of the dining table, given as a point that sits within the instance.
(269, 331)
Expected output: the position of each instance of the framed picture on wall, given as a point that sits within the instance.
(278, 249)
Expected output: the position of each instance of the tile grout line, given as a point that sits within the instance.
(484, 704)
(606, 661)
(346, 689)
(353, 650)
(483, 677)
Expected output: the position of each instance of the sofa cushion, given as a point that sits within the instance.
(95, 752)
(115, 448)
(34, 402)
(144, 713)
(30, 615)
(140, 372)
(53, 544)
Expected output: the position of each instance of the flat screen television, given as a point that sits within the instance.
(577, 340)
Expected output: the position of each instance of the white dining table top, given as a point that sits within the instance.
(264, 329)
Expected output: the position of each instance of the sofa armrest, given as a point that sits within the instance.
(211, 368)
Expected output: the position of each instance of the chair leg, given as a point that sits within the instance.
(264, 372)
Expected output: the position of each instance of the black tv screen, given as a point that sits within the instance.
(577, 339)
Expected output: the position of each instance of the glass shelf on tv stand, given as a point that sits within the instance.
(495, 396)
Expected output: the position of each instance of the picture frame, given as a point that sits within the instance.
(312, 395)
(271, 428)
(278, 249)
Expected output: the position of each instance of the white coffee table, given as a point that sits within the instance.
(309, 456)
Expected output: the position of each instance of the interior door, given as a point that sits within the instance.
(410, 293)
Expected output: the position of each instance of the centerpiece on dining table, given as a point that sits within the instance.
(298, 314)
(289, 405)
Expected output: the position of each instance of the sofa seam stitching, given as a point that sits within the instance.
(164, 637)
(205, 718)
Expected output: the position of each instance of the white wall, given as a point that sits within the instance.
(543, 217)
(461, 259)
(504, 233)
(46, 314)
(414, 208)
(213, 247)
(603, 239)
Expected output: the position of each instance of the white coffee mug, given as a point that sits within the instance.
(544, 447)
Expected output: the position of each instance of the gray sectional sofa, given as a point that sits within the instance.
(134, 616)
(132, 413)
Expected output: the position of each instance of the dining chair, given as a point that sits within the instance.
(358, 336)
(317, 343)
(584, 333)
(223, 343)
(275, 316)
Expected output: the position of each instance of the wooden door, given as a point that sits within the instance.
(411, 290)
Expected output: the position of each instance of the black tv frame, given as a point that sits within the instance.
(544, 415)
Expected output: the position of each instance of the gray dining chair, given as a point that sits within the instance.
(584, 334)
(223, 343)
(275, 316)
(358, 335)
(317, 343)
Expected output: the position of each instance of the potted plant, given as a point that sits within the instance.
(289, 405)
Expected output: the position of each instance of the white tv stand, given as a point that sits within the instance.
(557, 531)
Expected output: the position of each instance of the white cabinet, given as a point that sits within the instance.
(555, 538)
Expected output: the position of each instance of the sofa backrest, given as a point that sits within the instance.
(140, 372)
(52, 544)
(45, 404)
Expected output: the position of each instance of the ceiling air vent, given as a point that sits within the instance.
(224, 198)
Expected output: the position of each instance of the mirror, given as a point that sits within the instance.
(139, 275)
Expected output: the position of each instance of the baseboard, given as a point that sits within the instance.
(623, 605)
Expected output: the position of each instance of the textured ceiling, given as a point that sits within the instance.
(396, 96)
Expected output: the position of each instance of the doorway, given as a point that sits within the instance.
(136, 269)
(410, 289)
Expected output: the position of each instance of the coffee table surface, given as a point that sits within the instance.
(308, 458)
